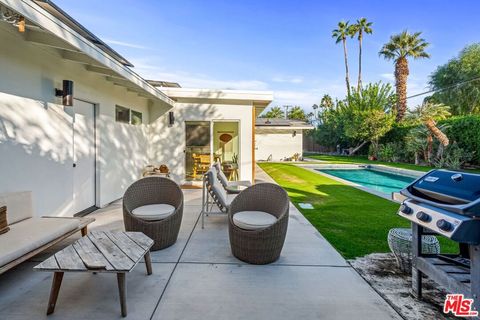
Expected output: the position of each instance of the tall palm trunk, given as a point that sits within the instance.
(437, 133)
(401, 75)
(429, 150)
(347, 80)
(359, 83)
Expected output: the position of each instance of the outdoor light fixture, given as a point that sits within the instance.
(66, 93)
(171, 119)
(21, 24)
(13, 18)
(294, 133)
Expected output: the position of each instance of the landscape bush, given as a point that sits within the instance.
(463, 132)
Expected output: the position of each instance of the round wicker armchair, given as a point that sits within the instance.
(154, 190)
(265, 245)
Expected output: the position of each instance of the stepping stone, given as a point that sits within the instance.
(307, 206)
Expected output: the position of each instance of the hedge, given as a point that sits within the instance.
(465, 130)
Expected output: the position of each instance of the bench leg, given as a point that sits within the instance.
(56, 283)
(84, 231)
(148, 263)
(122, 290)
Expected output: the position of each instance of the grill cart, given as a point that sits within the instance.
(446, 203)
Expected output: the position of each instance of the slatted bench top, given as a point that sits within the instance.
(100, 252)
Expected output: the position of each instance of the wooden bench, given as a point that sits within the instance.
(82, 227)
(43, 232)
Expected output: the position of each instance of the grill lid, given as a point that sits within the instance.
(451, 190)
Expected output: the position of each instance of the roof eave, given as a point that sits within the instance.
(53, 25)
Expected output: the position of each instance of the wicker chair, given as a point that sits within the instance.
(154, 190)
(265, 245)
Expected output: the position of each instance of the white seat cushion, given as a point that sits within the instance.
(253, 220)
(154, 212)
(30, 234)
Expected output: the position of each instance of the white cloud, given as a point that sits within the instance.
(388, 76)
(189, 80)
(125, 44)
(303, 96)
(285, 79)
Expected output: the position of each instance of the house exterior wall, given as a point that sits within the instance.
(280, 144)
(36, 143)
(168, 143)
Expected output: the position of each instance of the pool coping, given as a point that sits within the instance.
(382, 168)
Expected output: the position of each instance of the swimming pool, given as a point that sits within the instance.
(377, 180)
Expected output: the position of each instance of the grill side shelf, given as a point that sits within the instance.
(451, 276)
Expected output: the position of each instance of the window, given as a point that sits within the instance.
(126, 115)
(122, 114)
(136, 118)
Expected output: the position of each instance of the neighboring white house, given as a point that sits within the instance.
(279, 139)
(76, 158)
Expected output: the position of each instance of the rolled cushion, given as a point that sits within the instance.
(253, 220)
(154, 212)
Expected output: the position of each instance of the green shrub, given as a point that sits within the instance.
(386, 152)
(453, 157)
(462, 130)
(465, 131)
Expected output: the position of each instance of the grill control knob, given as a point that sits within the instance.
(444, 225)
(405, 209)
(422, 216)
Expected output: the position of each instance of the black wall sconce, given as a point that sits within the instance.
(294, 133)
(66, 93)
(171, 118)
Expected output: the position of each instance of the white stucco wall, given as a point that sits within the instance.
(36, 132)
(168, 143)
(280, 144)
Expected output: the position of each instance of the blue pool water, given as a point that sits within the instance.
(376, 180)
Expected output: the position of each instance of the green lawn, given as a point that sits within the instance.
(355, 222)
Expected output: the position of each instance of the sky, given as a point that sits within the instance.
(282, 46)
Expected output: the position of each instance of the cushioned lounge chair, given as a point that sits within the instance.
(257, 223)
(214, 193)
(224, 181)
(154, 205)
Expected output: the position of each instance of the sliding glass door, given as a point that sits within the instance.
(226, 147)
(197, 149)
(211, 141)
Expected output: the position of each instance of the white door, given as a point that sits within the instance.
(83, 156)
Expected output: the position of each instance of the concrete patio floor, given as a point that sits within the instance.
(198, 278)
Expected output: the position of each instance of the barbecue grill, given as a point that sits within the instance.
(447, 203)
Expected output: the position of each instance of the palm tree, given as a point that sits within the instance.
(362, 26)
(400, 48)
(326, 102)
(274, 113)
(429, 113)
(297, 113)
(341, 35)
